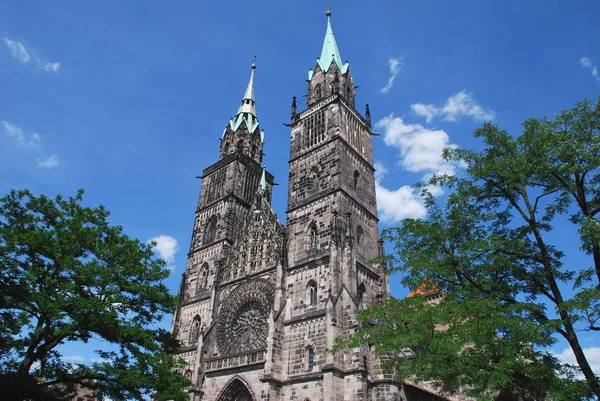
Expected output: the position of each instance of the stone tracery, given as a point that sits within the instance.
(242, 325)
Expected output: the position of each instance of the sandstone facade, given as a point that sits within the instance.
(261, 303)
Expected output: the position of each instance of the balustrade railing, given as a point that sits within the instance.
(236, 360)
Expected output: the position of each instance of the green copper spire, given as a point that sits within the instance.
(330, 51)
(248, 103)
(247, 110)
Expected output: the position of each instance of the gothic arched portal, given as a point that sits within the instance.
(236, 390)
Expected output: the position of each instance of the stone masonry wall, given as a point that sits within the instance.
(299, 338)
(297, 288)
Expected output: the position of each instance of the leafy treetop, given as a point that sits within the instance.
(67, 275)
(492, 247)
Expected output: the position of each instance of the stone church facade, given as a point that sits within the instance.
(261, 303)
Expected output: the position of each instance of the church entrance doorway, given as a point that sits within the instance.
(236, 391)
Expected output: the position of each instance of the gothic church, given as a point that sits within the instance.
(261, 303)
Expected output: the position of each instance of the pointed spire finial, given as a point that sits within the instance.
(247, 105)
(330, 52)
(262, 186)
(247, 110)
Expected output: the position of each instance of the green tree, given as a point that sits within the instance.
(67, 275)
(494, 248)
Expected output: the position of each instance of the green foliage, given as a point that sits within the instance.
(488, 249)
(66, 275)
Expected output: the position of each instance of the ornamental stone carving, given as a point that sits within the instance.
(242, 325)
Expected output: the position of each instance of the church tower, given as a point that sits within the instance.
(262, 303)
(235, 192)
(332, 232)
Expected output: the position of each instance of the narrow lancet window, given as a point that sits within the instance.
(195, 330)
(210, 230)
(203, 278)
(359, 235)
(312, 236)
(311, 293)
(310, 358)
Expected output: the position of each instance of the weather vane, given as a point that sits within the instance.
(328, 12)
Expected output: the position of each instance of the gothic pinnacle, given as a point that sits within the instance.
(262, 186)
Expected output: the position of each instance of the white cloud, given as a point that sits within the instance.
(73, 358)
(395, 64)
(48, 162)
(167, 247)
(587, 63)
(395, 205)
(420, 151)
(420, 148)
(26, 56)
(17, 50)
(425, 110)
(402, 203)
(30, 142)
(99, 360)
(380, 171)
(52, 67)
(461, 104)
(592, 355)
(22, 139)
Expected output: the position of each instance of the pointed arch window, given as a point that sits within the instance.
(359, 235)
(195, 330)
(310, 358)
(311, 293)
(210, 230)
(356, 177)
(203, 278)
(362, 289)
(188, 374)
(312, 236)
(318, 91)
(240, 146)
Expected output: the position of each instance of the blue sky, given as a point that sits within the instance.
(128, 99)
